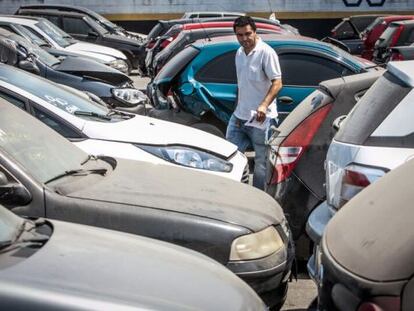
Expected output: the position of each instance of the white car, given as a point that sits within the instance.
(100, 131)
(60, 40)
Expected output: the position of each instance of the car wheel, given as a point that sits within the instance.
(209, 129)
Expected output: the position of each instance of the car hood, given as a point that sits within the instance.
(95, 269)
(83, 67)
(91, 49)
(150, 131)
(174, 189)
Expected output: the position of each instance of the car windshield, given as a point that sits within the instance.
(30, 35)
(31, 48)
(42, 152)
(9, 225)
(61, 97)
(96, 26)
(60, 37)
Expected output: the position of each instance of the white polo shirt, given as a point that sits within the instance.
(255, 72)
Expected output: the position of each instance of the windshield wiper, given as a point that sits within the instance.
(92, 114)
(79, 172)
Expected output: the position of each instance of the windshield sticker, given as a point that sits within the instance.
(61, 104)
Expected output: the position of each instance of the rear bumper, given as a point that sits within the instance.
(315, 227)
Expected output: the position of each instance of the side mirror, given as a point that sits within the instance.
(92, 34)
(28, 65)
(13, 194)
(336, 124)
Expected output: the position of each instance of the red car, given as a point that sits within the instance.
(375, 30)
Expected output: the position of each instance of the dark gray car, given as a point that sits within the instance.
(235, 224)
(53, 265)
(368, 248)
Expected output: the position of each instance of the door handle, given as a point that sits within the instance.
(286, 100)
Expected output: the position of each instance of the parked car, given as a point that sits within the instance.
(210, 29)
(235, 224)
(367, 248)
(201, 82)
(60, 40)
(371, 34)
(163, 26)
(349, 31)
(84, 28)
(296, 157)
(375, 138)
(210, 14)
(101, 131)
(397, 34)
(98, 269)
(108, 25)
(110, 85)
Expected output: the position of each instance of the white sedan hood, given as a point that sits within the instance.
(94, 50)
(146, 130)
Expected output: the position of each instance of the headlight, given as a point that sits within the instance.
(129, 95)
(189, 157)
(256, 245)
(120, 65)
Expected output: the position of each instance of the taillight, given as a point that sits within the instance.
(397, 56)
(396, 35)
(167, 41)
(354, 179)
(295, 144)
(381, 304)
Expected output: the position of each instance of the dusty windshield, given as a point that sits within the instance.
(61, 97)
(96, 26)
(31, 48)
(57, 35)
(42, 152)
(30, 35)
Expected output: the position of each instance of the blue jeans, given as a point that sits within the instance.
(245, 136)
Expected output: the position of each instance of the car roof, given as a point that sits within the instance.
(404, 22)
(55, 12)
(24, 20)
(62, 7)
(394, 17)
(403, 70)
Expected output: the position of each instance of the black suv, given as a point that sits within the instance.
(85, 28)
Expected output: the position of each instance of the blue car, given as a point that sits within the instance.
(198, 86)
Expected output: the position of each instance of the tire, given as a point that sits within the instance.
(209, 129)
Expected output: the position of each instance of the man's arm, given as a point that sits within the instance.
(270, 96)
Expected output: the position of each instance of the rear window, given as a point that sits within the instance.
(379, 101)
(177, 63)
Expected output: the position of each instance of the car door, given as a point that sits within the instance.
(303, 69)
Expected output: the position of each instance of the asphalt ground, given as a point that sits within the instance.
(301, 290)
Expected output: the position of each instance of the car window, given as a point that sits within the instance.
(43, 153)
(221, 69)
(76, 26)
(344, 31)
(31, 35)
(13, 100)
(55, 123)
(53, 19)
(309, 70)
(371, 110)
(409, 38)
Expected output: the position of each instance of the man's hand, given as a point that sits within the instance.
(261, 113)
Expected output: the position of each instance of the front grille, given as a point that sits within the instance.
(245, 176)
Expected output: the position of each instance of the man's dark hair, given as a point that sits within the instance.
(244, 21)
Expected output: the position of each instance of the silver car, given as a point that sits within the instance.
(53, 265)
(376, 137)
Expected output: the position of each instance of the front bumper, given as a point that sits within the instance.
(268, 276)
(315, 227)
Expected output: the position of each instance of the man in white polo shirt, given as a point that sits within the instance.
(259, 80)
